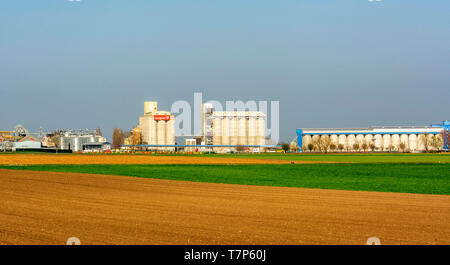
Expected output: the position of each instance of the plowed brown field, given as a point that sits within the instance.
(48, 208)
(41, 159)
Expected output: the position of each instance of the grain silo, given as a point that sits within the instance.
(158, 127)
(232, 129)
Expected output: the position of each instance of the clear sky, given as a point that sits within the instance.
(330, 63)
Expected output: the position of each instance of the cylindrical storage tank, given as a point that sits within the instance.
(412, 142)
(170, 135)
(395, 141)
(439, 136)
(241, 135)
(420, 142)
(153, 131)
(386, 142)
(360, 140)
(334, 140)
(424, 142)
(306, 140)
(351, 140)
(75, 144)
(342, 141)
(325, 138)
(378, 141)
(217, 131)
(405, 140)
(315, 141)
(261, 131)
(252, 133)
(247, 130)
(161, 134)
(150, 107)
(369, 140)
(226, 130)
(233, 130)
(430, 141)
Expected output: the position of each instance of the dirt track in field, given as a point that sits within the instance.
(43, 159)
(48, 208)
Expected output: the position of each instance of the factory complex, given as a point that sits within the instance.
(66, 141)
(225, 132)
(221, 131)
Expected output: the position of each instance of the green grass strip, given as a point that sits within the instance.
(407, 178)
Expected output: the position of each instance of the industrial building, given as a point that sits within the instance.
(20, 139)
(157, 127)
(239, 128)
(28, 142)
(221, 131)
(225, 130)
(409, 139)
(187, 143)
(74, 141)
(96, 147)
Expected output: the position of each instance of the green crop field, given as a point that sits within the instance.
(430, 178)
(350, 157)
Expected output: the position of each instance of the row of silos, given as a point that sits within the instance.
(238, 128)
(157, 132)
(382, 142)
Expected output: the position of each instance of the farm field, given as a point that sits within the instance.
(42, 159)
(264, 158)
(195, 199)
(49, 207)
(405, 178)
(349, 157)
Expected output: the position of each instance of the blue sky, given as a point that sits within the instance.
(330, 63)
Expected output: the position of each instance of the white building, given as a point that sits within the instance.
(73, 140)
(158, 127)
(28, 142)
(238, 128)
(96, 147)
(413, 139)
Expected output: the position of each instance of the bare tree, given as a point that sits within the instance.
(402, 147)
(372, 146)
(118, 138)
(426, 141)
(316, 145)
(365, 146)
(56, 139)
(356, 146)
(128, 139)
(391, 148)
(293, 146)
(333, 147)
(99, 131)
(324, 143)
(341, 147)
(310, 147)
(437, 142)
